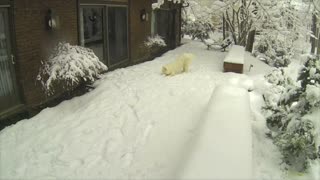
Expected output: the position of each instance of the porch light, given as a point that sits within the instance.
(144, 15)
(52, 20)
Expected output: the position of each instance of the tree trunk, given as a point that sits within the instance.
(314, 29)
(250, 41)
(224, 27)
(227, 26)
(318, 41)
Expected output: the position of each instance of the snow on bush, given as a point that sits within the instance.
(70, 65)
(313, 94)
(278, 81)
(274, 50)
(197, 28)
(310, 74)
(292, 132)
(155, 41)
(198, 21)
(279, 77)
(297, 144)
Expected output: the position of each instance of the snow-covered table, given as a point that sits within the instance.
(234, 60)
(222, 148)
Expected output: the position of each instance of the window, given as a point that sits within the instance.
(8, 91)
(91, 19)
(117, 34)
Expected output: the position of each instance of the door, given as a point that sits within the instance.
(8, 92)
(165, 26)
(104, 29)
(92, 30)
(117, 34)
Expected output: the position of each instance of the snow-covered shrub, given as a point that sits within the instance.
(274, 50)
(291, 132)
(197, 21)
(278, 120)
(313, 95)
(297, 144)
(197, 29)
(310, 74)
(69, 65)
(306, 96)
(278, 82)
(155, 41)
(278, 77)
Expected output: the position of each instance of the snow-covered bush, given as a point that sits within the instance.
(197, 21)
(297, 144)
(278, 82)
(310, 74)
(291, 131)
(197, 29)
(68, 66)
(307, 96)
(155, 41)
(274, 51)
(278, 77)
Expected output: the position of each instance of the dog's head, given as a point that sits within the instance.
(164, 70)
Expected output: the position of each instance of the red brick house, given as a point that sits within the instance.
(115, 29)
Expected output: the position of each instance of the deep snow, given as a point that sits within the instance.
(228, 115)
(137, 124)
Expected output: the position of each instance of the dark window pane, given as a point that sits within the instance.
(117, 34)
(8, 94)
(164, 25)
(92, 30)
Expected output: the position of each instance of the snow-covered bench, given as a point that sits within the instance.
(234, 60)
(212, 44)
(222, 148)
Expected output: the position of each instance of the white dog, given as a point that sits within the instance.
(181, 64)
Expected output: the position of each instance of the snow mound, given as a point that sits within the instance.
(225, 142)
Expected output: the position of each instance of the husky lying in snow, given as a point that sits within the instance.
(181, 64)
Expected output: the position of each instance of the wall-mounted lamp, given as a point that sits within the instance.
(52, 20)
(185, 4)
(144, 15)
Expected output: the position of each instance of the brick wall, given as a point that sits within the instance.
(140, 31)
(33, 40)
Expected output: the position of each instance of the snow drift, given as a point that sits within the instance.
(223, 149)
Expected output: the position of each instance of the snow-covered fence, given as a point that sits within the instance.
(234, 60)
(222, 148)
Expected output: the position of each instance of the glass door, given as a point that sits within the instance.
(104, 29)
(92, 30)
(164, 25)
(117, 34)
(8, 91)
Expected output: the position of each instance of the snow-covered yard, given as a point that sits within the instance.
(136, 124)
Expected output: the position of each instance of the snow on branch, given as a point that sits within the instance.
(70, 65)
(160, 2)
